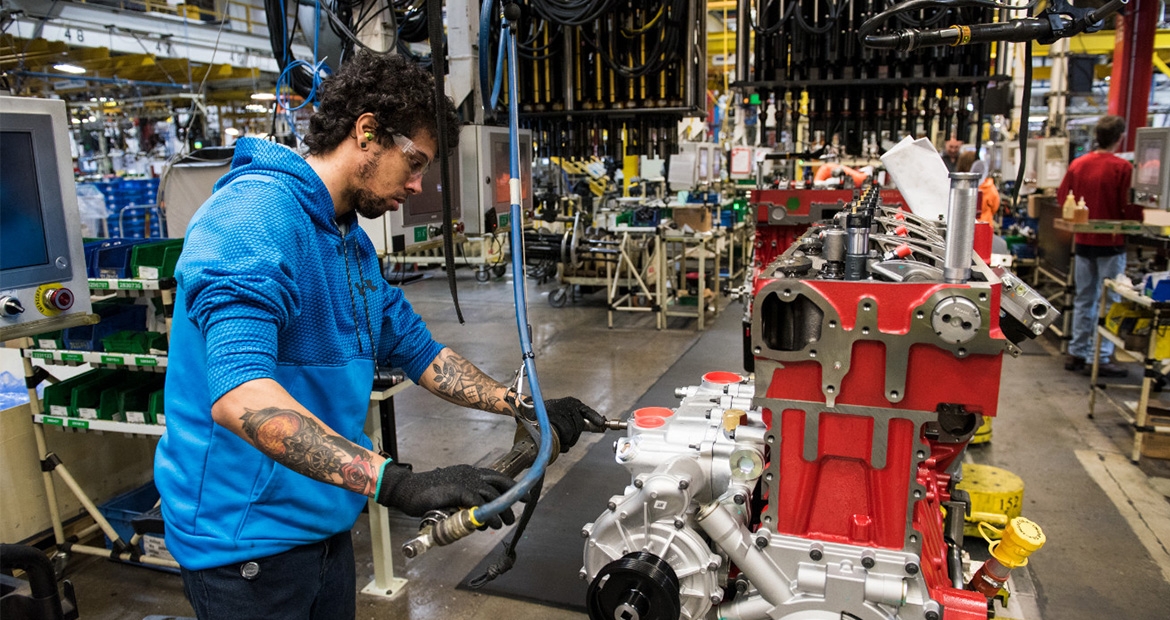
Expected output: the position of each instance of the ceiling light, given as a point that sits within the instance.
(264, 96)
(68, 68)
(231, 131)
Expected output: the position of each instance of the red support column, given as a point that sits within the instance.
(1133, 66)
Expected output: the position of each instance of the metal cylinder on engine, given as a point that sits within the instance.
(961, 213)
(857, 225)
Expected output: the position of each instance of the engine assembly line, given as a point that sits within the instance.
(828, 482)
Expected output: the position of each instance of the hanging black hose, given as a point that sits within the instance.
(276, 13)
(439, 70)
(1025, 108)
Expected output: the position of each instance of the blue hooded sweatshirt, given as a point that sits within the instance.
(270, 287)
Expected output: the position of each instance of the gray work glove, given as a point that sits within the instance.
(568, 417)
(445, 488)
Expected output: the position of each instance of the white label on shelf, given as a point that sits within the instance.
(156, 547)
(161, 419)
(136, 417)
(60, 411)
(148, 273)
(88, 414)
(47, 344)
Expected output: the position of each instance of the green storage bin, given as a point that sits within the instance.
(134, 399)
(127, 341)
(58, 397)
(156, 411)
(155, 261)
(50, 340)
(87, 402)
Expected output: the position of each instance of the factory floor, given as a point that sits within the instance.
(1106, 520)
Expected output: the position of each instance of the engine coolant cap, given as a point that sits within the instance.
(1020, 539)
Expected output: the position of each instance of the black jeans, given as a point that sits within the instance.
(310, 582)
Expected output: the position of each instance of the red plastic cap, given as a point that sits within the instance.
(653, 412)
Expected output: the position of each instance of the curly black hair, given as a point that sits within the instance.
(399, 94)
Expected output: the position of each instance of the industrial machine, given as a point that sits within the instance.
(1047, 161)
(43, 284)
(696, 164)
(825, 486)
(1151, 175)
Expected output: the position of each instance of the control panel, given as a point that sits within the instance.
(43, 283)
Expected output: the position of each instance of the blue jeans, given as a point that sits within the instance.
(310, 582)
(1089, 274)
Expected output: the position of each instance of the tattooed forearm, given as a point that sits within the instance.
(302, 444)
(460, 382)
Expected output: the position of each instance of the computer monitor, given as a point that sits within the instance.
(1151, 174)
(42, 264)
(495, 164)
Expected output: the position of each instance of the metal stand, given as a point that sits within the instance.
(1139, 416)
(380, 424)
(632, 258)
(698, 247)
(51, 464)
(487, 252)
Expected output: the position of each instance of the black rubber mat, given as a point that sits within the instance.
(550, 555)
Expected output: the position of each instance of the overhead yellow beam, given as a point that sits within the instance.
(1101, 43)
(1161, 65)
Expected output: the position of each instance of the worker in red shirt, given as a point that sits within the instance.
(1102, 179)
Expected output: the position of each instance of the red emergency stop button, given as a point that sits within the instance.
(59, 299)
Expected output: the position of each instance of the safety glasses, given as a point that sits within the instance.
(419, 163)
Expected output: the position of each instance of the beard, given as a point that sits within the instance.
(370, 205)
(366, 203)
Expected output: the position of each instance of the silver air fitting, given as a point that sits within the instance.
(961, 214)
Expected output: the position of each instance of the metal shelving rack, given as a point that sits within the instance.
(380, 418)
(1139, 416)
(51, 464)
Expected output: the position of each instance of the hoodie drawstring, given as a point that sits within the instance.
(349, 285)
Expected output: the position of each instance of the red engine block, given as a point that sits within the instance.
(871, 391)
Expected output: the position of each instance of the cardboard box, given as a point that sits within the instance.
(1156, 446)
(1039, 201)
(1155, 217)
(698, 218)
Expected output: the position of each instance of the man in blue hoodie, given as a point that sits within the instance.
(281, 316)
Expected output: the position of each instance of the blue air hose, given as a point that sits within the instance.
(495, 507)
(466, 521)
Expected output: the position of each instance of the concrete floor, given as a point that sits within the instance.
(1108, 525)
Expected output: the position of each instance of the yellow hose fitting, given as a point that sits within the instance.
(476, 523)
(732, 418)
(1020, 539)
(964, 35)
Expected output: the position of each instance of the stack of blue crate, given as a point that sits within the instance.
(131, 204)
